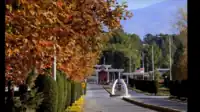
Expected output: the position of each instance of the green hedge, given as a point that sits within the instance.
(48, 87)
(65, 91)
(145, 85)
(179, 88)
(69, 89)
(61, 91)
(76, 91)
(59, 94)
(73, 93)
(85, 89)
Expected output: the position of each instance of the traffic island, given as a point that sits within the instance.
(150, 106)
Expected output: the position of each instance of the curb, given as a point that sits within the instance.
(153, 107)
(110, 93)
(170, 99)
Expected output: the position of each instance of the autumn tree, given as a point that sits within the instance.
(72, 30)
(180, 67)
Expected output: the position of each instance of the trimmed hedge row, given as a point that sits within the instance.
(48, 87)
(145, 85)
(59, 94)
(179, 88)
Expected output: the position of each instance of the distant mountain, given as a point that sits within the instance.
(155, 19)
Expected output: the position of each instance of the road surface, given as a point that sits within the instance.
(158, 100)
(98, 100)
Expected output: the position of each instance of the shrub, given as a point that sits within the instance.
(184, 88)
(73, 93)
(131, 83)
(48, 87)
(151, 86)
(30, 80)
(65, 90)
(157, 75)
(155, 86)
(77, 90)
(69, 92)
(171, 87)
(10, 96)
(80, 90)
(61, 92)
(147, 86)
(84, 89)
(178, 88)
(27, 100)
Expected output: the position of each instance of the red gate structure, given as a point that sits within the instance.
(103, 77)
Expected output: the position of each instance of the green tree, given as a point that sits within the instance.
(157, 54)
(165, 61)
(123, 45)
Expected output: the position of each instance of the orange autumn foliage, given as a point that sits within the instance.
(74, 28)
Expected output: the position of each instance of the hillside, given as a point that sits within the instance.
(155, 19)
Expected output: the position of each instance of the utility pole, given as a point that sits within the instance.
(143, 63)
(104, 60)
(54, 61)
(129, 70)
(170, 61)
(152, 62)
(130, 64)
(147, 67)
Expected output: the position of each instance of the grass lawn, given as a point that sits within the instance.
(161, 91)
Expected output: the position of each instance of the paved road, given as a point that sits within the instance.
(98, 100)
(158, 100)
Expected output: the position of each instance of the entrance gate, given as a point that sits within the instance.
(103, 74)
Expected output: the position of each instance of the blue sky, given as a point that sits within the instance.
(152, 16)
(136, 4)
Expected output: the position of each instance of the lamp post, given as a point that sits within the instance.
(104, 60)
(170, 61)
(54, 61)
(153, 62)
(143, 64)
